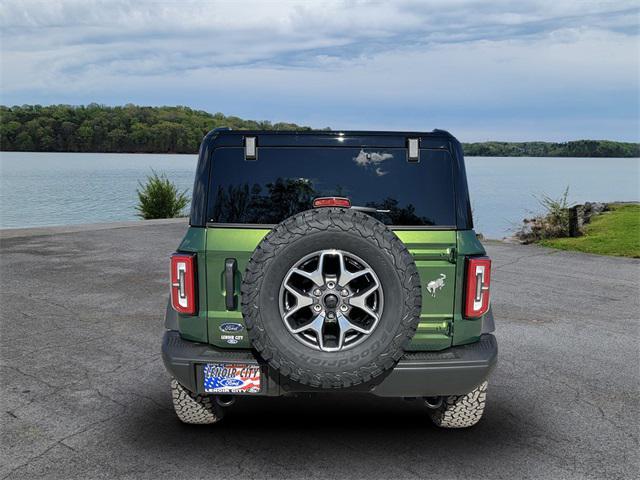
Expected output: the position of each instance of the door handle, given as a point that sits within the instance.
(230, 297)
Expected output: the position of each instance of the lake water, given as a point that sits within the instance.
(38, 189)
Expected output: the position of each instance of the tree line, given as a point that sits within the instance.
(127, 129)
(577, 148)
(137, 129)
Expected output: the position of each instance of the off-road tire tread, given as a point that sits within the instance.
(338, 220)
(461, 411)
(193, 408)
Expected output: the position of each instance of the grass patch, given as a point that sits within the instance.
(616, 232)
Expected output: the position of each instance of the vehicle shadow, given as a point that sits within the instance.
(357, 435)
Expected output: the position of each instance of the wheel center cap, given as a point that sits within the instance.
(331, 301)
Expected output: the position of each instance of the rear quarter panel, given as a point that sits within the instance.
(465, 331)
(194, 327)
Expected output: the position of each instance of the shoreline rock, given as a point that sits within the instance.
(568, 222)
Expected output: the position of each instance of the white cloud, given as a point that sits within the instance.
(355, 64)
(137, 37)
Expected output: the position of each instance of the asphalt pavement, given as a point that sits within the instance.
(84, 393)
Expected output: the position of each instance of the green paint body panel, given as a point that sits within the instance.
(195, 327)
(223, 243)
(434, 254)
(437, 253)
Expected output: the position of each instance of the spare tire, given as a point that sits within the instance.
(331, 297)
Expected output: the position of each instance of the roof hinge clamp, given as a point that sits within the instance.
(250, 148)
(413, 149)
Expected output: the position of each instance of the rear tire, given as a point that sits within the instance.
(192, 408)
(461, 411)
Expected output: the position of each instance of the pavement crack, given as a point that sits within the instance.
(11, 367)
(579, 398)
(60, 442)
(524, 257)
(101, 394)
(58, 346)
(150, 399)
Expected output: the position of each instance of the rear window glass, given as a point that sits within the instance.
(284, 181)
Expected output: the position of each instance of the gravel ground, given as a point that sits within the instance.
(85, 395)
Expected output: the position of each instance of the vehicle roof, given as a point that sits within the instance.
(221, 137)
(435, 132)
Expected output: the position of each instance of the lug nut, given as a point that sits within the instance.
(343, 308)
(317, 307)
(331, 315)
(331, 284)
(317, 292)
(344, 292)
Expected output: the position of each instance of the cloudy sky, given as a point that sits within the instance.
(502, 70)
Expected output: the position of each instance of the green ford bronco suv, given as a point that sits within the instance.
(330, 261)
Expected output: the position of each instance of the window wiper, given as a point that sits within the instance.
(369, 209)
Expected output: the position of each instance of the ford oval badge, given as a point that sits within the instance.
(231, 382)
(231, 327)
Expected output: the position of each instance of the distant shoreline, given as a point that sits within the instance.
(573, 149)
(130, 129)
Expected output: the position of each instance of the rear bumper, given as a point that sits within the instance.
(454, 371)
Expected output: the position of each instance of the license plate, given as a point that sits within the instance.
(231, 378)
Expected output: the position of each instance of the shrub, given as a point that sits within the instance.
(553, 223)
(160, 198)
(556, 215)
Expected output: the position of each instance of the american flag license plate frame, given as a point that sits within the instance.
(233, 378)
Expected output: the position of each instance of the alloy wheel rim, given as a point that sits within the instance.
(331, 300)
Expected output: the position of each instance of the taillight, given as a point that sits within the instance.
(332, 202)
(183, 282)
(477, 286)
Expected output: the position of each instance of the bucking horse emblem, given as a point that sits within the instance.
(434, 285)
